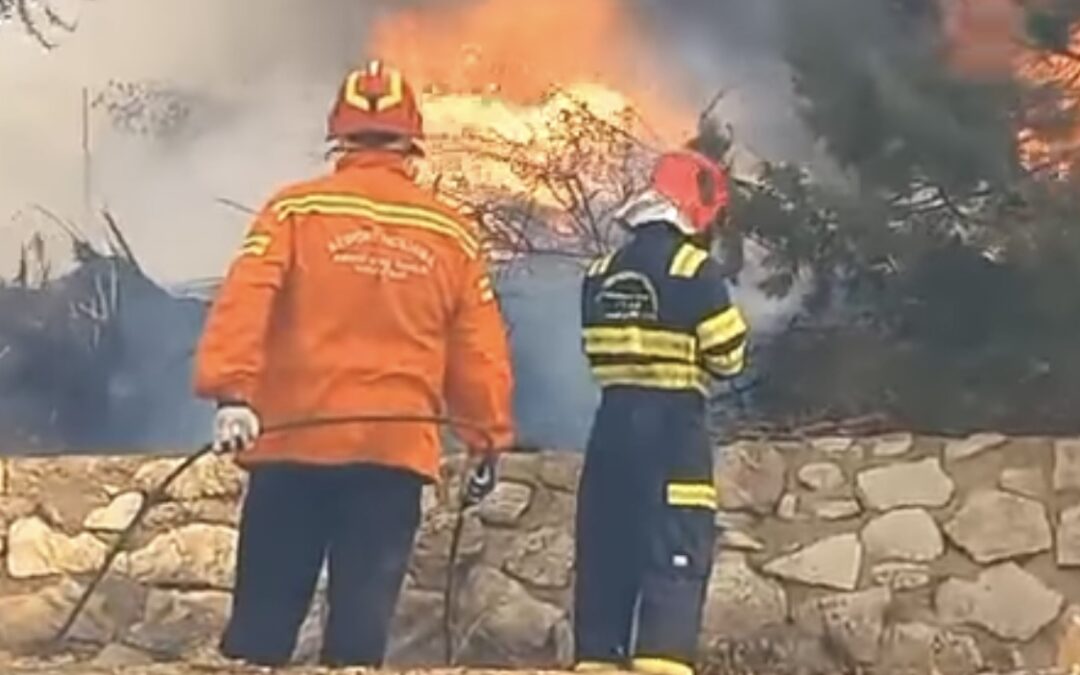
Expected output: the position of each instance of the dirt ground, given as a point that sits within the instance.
(215, 669)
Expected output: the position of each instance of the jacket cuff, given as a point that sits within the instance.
(501, 439)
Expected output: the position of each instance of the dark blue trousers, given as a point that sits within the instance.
(362, 519)
(645, 532)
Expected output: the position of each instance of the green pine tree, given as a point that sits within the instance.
(949, 267)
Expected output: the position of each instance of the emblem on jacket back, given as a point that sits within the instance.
(628, 296)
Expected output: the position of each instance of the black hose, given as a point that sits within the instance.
(158, 494)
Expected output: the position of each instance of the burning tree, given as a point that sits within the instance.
(550, 186)
(532, 140)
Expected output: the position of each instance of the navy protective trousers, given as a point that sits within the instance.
(362, 519)
(645, 532)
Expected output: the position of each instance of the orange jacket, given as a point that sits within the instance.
(359, 293)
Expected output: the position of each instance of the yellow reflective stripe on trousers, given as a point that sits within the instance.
(596, 667)
(728, 363)
(687, 261)
(383, 212)
(661, 667)
(637, 341)
(695, 495)
(671, 376)
(721, 327)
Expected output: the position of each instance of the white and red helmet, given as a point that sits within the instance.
(686, 188)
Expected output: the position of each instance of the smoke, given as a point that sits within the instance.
(733, 48)
(256, 78)
(251, 82)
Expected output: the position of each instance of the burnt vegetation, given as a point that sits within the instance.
(92, 356)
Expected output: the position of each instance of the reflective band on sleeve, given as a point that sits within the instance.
(637, 341)
(661, 667)
(727, 363)
(487, 292)
(600, 265)
(671, 376)
(402, 215)
(687, 261)
(696, 495)
(255, 245)
(724, 326)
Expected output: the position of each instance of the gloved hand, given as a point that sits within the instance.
(481, 481)
(236, 426)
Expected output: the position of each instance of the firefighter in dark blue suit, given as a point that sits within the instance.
(658, 325)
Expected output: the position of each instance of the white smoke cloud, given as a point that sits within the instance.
(260, 75)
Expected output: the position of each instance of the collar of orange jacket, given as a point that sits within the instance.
(372, 159)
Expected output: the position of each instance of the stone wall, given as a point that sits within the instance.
(894, 553)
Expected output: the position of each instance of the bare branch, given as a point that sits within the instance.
(707, 112)
(237, 206)
(23, 10)
(121, 240)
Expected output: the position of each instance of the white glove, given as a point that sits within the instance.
(236, 426)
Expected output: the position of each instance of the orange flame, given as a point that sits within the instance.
(519, 49)
(1055, 150)
(986, 38)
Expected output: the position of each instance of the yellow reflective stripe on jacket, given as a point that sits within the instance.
(255, 244)
(600, 265)
(724, 326)
(637, 341)
(696, 495)
(727, 363)
(382, 212)
(655, 375)
(661, 667)
(487, 293)
(687, 261)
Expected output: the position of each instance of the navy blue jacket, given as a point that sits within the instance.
(657, 315)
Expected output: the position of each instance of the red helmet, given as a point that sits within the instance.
(695, 184)
(376, 99)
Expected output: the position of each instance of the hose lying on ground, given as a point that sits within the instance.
(158, 494)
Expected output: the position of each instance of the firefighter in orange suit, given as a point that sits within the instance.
(658, 325)
(354, 293)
